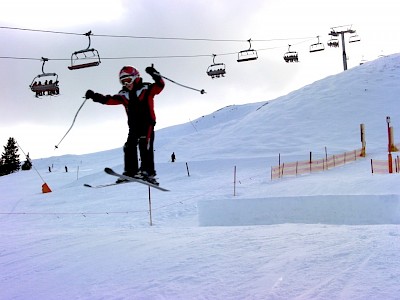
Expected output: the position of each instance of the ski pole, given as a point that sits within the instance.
(202, 91)
(73, 122)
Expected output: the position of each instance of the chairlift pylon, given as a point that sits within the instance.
(317, 46)
(45, 84)
(216, 69)
(291, 56)
(79, 58)
(247, 55)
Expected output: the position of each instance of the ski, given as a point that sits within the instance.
(102, 185)
(131, 179)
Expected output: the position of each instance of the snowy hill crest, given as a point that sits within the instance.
(325, 113)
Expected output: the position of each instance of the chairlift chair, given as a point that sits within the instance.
(216, 69)
(291, 56)
(45, 84)
(317, 46)
(354, 38)
(247, 55)
(333, 42)
(79, 58)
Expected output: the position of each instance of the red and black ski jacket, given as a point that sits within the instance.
(138, 103)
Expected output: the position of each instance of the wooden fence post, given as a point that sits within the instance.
(363, 142)
(279, 164)
(187, 169)
(326, 157)
(393, 148)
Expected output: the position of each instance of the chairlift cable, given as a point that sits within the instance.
(21, 58)
(154, 57)
(143, 57)
(88, 34)
(158, 57)
(151, 57)
(155, 37)
(126, 57)
(40, 30)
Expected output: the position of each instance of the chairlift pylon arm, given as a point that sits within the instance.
(44, 61)
(214, 55)
(249, 40)
(88, 34)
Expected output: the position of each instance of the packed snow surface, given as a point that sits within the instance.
(216, 235)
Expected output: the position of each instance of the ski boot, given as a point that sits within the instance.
(137, 175)
(151, 178)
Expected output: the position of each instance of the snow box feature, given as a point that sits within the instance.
(323, 209)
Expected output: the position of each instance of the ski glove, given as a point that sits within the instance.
(95, 96)
(153, 73)
(89, 94)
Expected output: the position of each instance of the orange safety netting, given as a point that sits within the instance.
(318, 165)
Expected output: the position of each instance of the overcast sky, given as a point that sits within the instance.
(39, 124)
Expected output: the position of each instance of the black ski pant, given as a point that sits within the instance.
(146, 151)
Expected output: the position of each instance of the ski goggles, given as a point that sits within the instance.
(128, 80)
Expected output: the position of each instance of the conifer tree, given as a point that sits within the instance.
(10, 162)
(27, 165)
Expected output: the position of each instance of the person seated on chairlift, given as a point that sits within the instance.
(51, 88)
(39, 92)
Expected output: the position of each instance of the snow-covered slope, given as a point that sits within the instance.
(325, 113)
(81, 243)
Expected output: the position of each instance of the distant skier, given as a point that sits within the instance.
(138, 99)
(173, 157)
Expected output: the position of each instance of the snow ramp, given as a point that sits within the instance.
(318, 209)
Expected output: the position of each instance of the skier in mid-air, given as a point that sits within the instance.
(138, 99)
